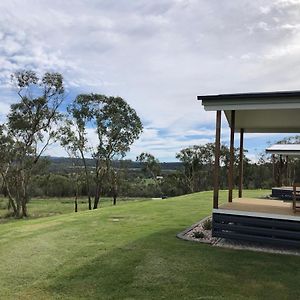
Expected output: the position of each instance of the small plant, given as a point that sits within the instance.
(207, 224)
(198, 235)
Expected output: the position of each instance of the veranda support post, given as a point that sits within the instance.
(230, 171)
(273, 170)
(241, 163)
(280, 169)
(287, 182)
(217, 160)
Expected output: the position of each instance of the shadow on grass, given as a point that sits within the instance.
(160, 266)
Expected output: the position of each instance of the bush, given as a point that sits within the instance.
(3, 204)
(198, 235)
(207, 224)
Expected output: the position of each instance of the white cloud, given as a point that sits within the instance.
(163, 146)
(158, 55)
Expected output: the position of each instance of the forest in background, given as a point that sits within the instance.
(97, 165)
(55, 177)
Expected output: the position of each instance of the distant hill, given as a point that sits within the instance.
(65, 164)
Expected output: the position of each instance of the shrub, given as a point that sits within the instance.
(207, 224)
(198, 235)
(3, 204)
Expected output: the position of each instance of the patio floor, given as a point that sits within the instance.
(261, 206)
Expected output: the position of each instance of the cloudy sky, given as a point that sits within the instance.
(158, 55)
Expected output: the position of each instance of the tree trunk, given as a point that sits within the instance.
(76, 197)
(90, 202)
(97, 196)
(76, 204)
(11, 202)
(96, 202)
(24, 209)
(87, 177)
(18, 212)
(24, 195)
(115, 188)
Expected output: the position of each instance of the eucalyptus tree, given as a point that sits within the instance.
(198, 161)
(30, 128)
(198, 165)
(7, 156)
(151, 166)
(114, 126)
(117, 127)
(192, 160)
(74, 136)
(69, 141)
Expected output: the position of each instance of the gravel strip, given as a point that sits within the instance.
(189, 233)
(258, 247)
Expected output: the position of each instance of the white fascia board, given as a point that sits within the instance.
(285, 153)
(249, 105)
(284, 147)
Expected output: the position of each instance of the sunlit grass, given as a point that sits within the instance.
(43, 207)
(131, 252)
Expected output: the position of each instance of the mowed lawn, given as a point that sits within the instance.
(130, 252)
(44, 207)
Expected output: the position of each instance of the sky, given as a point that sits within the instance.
(158, 56)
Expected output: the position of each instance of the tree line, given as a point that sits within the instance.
(37, 121)
(97, 131)
(150, 178)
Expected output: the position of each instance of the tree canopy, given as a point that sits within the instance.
(31, 127)
(115, 126)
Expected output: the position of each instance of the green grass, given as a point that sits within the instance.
(44, 207)
(130, 252)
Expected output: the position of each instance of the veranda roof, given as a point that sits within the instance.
(259, 112)
(285, 149)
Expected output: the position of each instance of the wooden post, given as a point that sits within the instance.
(287, 171)
(280, 170)
(217, 160)
(230, 171)
(241, 163)
(273, 169)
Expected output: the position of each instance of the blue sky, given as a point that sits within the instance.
(158, 55)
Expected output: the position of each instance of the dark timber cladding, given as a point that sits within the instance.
(258, 229)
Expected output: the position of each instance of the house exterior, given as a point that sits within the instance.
(260, 220)
(281, 154)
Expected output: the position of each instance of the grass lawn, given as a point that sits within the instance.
(130, 252)
(38, 207)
